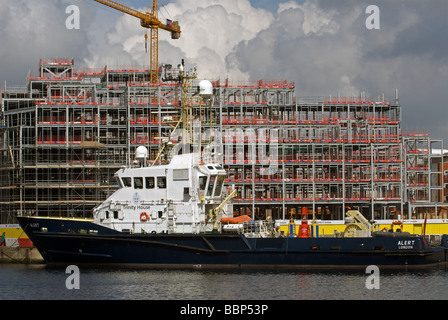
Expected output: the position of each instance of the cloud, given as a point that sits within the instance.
(30, 30)
(325, 48)
(303, 44)
(210, 31)
(321, 45)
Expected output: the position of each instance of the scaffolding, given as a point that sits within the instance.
(64, 136)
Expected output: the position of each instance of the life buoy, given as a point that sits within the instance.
(144, 217)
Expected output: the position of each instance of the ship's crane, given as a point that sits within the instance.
(356, 221)
(151, 21)
(213, 213)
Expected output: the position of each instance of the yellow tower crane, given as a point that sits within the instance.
(151, 21)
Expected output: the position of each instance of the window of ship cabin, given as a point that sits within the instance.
(127, 182)
(149, 182)
(211, 184)
(120, 184)
(161, 182)
(219, 183)
(138, 183)
(202, 182)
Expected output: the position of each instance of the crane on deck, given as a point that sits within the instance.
(151, 21)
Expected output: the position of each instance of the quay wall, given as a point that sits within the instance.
(20, 255)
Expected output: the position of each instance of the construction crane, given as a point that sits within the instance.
(151, 21)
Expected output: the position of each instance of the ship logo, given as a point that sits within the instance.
(136, 198)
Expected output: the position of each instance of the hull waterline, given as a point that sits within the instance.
(63, 242)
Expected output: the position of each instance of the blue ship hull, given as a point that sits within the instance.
(63, 242)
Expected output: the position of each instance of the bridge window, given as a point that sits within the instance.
(219, 186)
(138, 183)
(127, 181)
(202, 182)
(161, 182)
(149, 182)
(211, 184)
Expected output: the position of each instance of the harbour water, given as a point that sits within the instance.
(38, 282)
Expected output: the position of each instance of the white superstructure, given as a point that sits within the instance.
(175, 198)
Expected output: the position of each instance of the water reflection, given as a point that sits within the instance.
(40, 282)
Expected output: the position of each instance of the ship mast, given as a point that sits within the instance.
(185, 79)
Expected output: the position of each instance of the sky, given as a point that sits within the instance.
(324, 46)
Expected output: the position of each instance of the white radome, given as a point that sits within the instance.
(205, 89)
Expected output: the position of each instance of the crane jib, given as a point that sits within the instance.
(149, 20)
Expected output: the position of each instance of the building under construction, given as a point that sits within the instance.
(64, 135)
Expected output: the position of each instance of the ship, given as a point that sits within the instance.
(178, 214)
